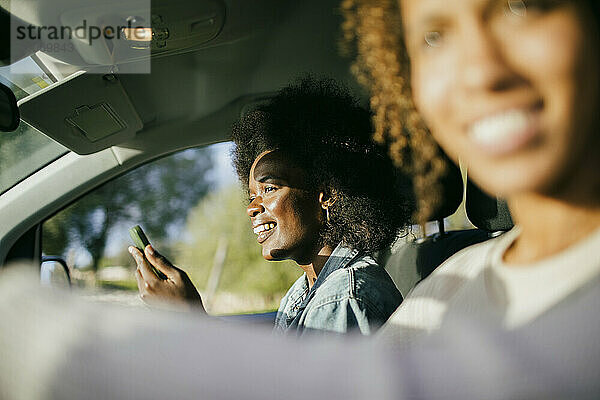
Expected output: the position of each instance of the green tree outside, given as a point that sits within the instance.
(157, 196)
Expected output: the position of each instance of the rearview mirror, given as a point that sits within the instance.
(9, 112)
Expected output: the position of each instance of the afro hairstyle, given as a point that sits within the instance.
(320, 127)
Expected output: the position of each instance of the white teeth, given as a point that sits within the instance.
(264, 227)
(499, 128)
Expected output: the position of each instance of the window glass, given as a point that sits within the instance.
(26, 150)
(23, 152)
(193, 211)
(34, 73)
(25, 77)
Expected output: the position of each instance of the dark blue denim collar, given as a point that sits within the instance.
(341, 257)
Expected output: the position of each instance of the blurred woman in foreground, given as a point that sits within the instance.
(511, 89)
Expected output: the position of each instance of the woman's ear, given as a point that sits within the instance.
(327, 199)
(322, 199)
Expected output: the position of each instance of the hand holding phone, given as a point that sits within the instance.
(141, 241)
(177, 288)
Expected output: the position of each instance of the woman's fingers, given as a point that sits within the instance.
(177, 288)
(141, 284)
(139, 280)
(148, 275)
(160, 262)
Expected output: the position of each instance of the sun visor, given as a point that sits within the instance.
(86, 113)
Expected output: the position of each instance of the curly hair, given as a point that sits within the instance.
(373, 33)
(319, 126)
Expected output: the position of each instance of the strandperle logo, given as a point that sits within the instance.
(83, 32)
(91, 35)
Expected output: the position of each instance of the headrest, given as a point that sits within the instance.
(485, 212)
(451, 192)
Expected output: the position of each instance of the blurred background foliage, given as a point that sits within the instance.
(157, 195)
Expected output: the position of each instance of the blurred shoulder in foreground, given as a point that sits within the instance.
(54, 345)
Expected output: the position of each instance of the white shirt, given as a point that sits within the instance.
(476, 283)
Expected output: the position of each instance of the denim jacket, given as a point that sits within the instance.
(351, 293)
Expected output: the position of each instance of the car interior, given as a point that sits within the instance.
(210, 62)
(412, 261)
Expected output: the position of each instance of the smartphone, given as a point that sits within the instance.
(141, 241)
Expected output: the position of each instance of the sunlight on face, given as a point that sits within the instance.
(285, 214)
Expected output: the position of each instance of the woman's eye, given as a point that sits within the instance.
(270, 189)
(433, 38)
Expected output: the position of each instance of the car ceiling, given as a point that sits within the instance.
(262, 46)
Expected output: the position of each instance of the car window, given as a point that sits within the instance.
(25, 77)
(27, 150)
(193, 211)
(23, 152)
(34, 73)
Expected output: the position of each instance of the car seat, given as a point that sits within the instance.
(409, 262)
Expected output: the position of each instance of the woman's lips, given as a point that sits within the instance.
(264, 231)
(506, 132)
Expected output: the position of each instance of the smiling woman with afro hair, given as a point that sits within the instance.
(323, 194)
(320, 127)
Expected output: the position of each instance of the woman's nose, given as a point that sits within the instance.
(255, 207)
(484, 63)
